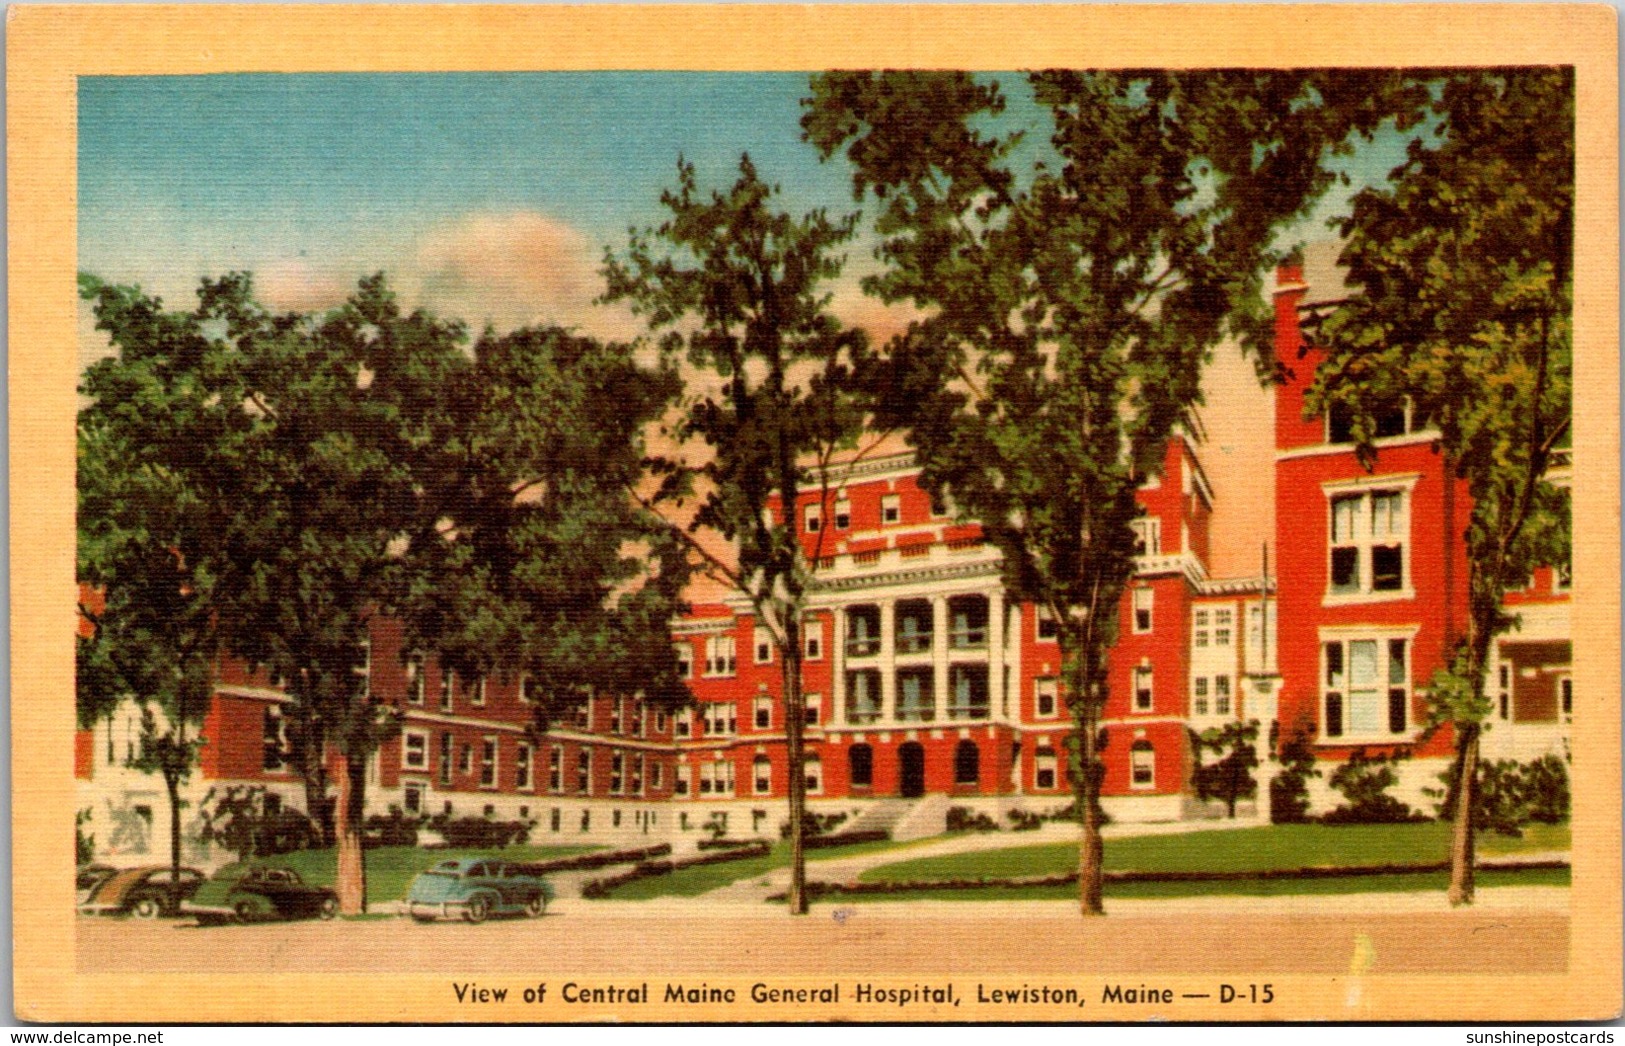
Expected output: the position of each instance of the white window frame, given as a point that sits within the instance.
(412, 793)
(812, 517)
(843, 514)
(682, 780)
(615, 720)
(813, 641)
(1381, 684)
(1142, 758)
(1364, 540)
(1199, 696)
(490, 762)
(762, 645)
(657, 774)
(891, 510)
(1148, 535)
(524, 779)
(584, 771)
(1145, 601)
(762, 709)
(685, 660)
(421, 763)
(1199, 629)
(720, 657)
(1144, 673)
(1046, 688)
(1046, 762)
(1223, 626)
(415, 662)
(555, 769)
(1221, 695)
(526, 682)
(448, 757)
(812, 707)
(364, 669)
(448, 689)
(477, 692)
(684, 723)
(617, 772)
(813, 769)
(761, 775)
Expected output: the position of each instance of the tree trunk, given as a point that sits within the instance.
(172, 784)
(313, 772)
(1461, 840)
(350, 881)
(1091, 850)
(794, 720)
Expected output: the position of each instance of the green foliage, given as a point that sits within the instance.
(964, 819)
(238, 819)
(814, 824)
(1364, 780)
(478, 833)
(1289, 789)
(1511, 795)
(84, 843)
(1230, 778)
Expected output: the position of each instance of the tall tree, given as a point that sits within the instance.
(1463, 270)
(1068, 307)
(736, 287)
(150, 553)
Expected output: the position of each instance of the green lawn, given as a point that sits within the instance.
(1226, 850)
(391, 869)
(691, 882)
(1408, 882)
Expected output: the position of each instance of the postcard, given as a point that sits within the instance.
(828, 513)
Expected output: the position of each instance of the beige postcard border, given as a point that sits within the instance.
(48, 46)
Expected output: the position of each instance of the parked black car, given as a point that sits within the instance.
(260, 895)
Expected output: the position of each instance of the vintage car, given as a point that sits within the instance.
(87, 878)
(144, 892)
(260, 895)
(476, 888)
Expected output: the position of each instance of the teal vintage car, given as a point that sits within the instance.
(476, 888)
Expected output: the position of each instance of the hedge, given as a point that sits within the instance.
(645, 869)
(819, 842)
(597, 859)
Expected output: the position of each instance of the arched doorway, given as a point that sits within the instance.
(911, 770)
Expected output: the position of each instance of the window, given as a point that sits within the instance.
(967, 616)
(1142, 765)
(679, 781)
(634, 717)
(274, 730)
(555, 819)
(361, 668)
(1563, 576)
(1222, 622)
(761, 775)
(414, 679)
(583, 713)
(763, 644)
(813, 514)
(860, 762)
(891, 509)
(615, 715)
(1142, 609)
(967, 763)
(721, 718)
(1390, 420)
(763, 712)
(660, 721)
(1503, 690)
(967, 692)
(521, 767)
(657, 774)
(415, 750)
(1199, 695)
(1045, 692)
(476, 692)
(1142, 688)
(465, 759)
(684, 723)
(685, 660)
(1199, 629)
(719, 656)
(1367, 688)
(1044, 768)
(584, 771)
(412, 798)
(1221, 695)
(717, 778)
(916, 695)
(555, 769)
(617, 771)
(1369, 530)
(813, 774)
(636, 784)
(862, 631)
(488, 763)
(862, 695)
(1565, 698)
(815, 640)
(843, 514)
(1147, 536)
(448, 680)
(447, 744)
(812, 705)
(1046, 623)
(914, 626)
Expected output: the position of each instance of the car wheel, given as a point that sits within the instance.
(146, 908)
(329, 908)
(537, 905)
(247, 912)
(479, 908)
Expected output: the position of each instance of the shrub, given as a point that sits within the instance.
(477, 833)
(237, 819)
(84, 844)
(1512, 794)
(395, 830)
(596, 888)
(1289, 789)
(1024, 821)
(964, 819)
(813, 825)
(1364, 781)
(824, 842)
(1230, 778)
